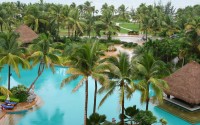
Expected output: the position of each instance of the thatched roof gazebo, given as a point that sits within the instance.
(185, 83)
(27, 35)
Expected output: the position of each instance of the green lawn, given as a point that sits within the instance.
(131, 26)
(192, 117)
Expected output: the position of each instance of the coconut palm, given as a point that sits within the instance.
(11, 54)
(150, 71)
(43, 53)
(123, 13)
(107, 24)
(4, 91)
(193, 32)
(121, 80)
(83, 63)
(76, 23)
(57, 15)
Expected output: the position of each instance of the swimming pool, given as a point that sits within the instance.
(62, 107)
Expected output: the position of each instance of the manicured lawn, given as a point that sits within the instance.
(192, 117)
(131, 26)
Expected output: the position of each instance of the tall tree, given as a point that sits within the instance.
(83, 63)
(121, 80)
(41, 52)
(11, 54)
(150, 71)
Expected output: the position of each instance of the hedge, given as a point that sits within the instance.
(3, 99)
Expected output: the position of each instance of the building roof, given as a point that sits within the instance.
(184, 84)
(27, 35)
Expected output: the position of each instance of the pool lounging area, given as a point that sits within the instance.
(62, 107)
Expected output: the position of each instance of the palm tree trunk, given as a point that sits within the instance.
(9, 74)
(1, 28)
(122, 120)
(40, 71)
(68, 31)
(146, 34)
(95, 97)
(75, 34)
(147, 101)
(183, 62)
(86, 101)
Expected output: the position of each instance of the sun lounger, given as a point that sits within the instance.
(12, 103)
(4, 106)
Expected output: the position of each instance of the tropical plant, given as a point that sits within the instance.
(193, 33)
(76, 23)
(11, 54)
(83, 63)
(120, 75)
(41, 52)
(4, 91)
(145, 118)
(20, 92)
(130, 114)
(107, 24)
(96, 119)
(150, 71)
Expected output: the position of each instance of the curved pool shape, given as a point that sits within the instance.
(62, 107)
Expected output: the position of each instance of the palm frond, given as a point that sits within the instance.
(68, 80)
(81, 82)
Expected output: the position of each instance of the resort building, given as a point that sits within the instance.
(184, 86)
(27, 35)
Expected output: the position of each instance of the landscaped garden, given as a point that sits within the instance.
(55, 67)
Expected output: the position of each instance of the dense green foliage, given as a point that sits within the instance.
(96, 119)
(20, 92)
(173, 34)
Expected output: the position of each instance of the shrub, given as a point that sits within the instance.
(111, 49)
(12, 99)
(130, 45)
(133, 32)
(115, 41)
(20, 92)
(96, 119)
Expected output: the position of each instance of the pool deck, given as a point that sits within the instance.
(182, 104)
(19, 108)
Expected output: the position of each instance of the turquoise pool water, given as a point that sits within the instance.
(62, 107)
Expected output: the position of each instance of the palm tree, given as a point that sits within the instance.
(121, 79)
(193, 32)
(43, 53)
(107, 24)
(4, 91)
(57, 15)
(11, 54)
(83, 62)
(123, 14)
(76, 23)
(150, 71)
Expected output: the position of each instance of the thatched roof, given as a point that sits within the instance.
(185, 83)
(27, 35)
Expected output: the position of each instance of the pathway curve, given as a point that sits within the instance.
(118, 24)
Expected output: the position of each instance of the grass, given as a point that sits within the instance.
(131, 26)
(192, 117)
(3, 98)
